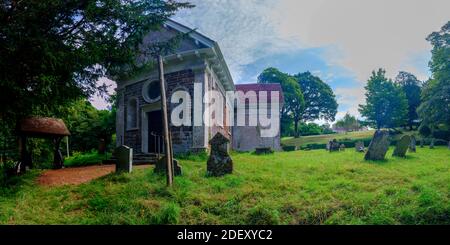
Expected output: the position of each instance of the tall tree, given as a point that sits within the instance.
(294, 104)
(53, 52)
(88, 125)
(386, 104)
(348, 122)
(411, 86)
(320, 101)
(435, 107)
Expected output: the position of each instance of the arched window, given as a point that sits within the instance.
(132, 114)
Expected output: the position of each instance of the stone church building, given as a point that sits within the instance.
(197, 60)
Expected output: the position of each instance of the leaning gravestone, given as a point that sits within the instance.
(124, 155)
(219, 162)
(334, 145)
(378, 146)
(359, 146)
(432, 144)
(412, 145)
(402, 146)
(161, 166)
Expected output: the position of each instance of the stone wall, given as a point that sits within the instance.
(247, 138)
(181, 136)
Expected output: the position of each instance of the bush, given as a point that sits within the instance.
(6, 171)
(441, 134)
(289, 147)
(85, 159)
(349, 143)
(306, 129)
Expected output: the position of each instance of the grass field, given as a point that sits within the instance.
(301, 187)
(324, 138)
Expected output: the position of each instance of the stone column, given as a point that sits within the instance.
(199, 131)
(120, 118)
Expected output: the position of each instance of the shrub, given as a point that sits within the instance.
(85, 159)
(6, 171)
(289, 147)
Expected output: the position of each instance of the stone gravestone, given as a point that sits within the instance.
(334, 145)
(421, 143)
(219, 162)
(161, 166)
(412, 145)
(359, 146)
(328, 146)
(378, 146)
(432, 144)
(342, 147)
(402, 146)
(124, 155)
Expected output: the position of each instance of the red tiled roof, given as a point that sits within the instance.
(44, 126)
(258, 87)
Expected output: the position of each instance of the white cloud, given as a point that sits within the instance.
(368, 34)
(360, 35)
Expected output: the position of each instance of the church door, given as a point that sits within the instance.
(155, 140)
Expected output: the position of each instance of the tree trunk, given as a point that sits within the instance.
(295, 128)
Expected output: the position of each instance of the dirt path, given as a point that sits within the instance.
(78, 175)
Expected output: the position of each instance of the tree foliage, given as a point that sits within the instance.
(411, 86)
(348, 123)
(53, 52)
(320, 101)
(294, 103)
(435, 107)
(386, 103)
(88, 126)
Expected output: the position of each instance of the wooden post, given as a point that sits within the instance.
(67, 146)
(165, 123)
(57, 157)
(25, 158)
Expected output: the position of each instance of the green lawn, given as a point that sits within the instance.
(301, 187)
(324, 138)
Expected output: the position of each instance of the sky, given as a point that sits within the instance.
(339, 41)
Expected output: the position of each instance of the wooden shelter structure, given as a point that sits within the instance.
(41, 127)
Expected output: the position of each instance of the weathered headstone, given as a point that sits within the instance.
(359, 146)
(219, 162)
(328, 146)
(378, 146)
(402, 146)
(432, 144)
(412, 145)
(124, 155)
(334, 145)
(161, 166)
(342, 147)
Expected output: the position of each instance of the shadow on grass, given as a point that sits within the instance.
(377, 162)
